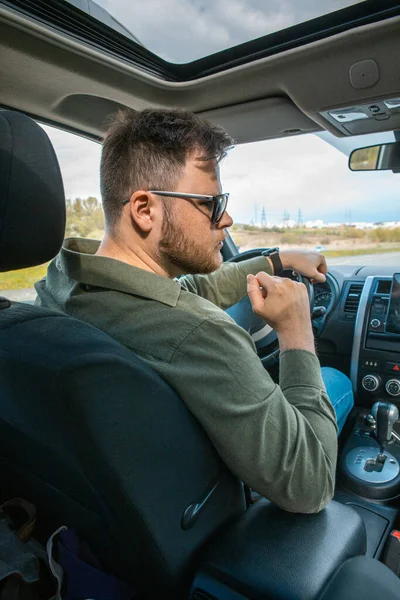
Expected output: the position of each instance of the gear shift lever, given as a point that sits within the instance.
(385, 415)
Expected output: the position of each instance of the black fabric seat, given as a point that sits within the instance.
(88, 432)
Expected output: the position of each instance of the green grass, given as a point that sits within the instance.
(360, 251)
(24, 278)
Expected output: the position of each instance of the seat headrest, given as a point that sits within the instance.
(32, 202)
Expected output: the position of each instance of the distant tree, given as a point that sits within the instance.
(84, 217)
(78, 207)
(90, 204)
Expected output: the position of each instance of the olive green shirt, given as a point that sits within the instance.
(280, 440)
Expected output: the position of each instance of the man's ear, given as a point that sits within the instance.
(142, 210)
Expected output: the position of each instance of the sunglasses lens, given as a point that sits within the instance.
(220, 207)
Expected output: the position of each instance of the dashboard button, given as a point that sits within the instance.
(393, 387)
(370, 362)
(392, 367)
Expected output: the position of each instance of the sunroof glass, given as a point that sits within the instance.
(181, 31)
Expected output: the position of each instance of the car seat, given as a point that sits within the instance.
(88, 432)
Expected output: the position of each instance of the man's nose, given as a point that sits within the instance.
(226, 221)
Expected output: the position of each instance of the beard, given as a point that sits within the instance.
(188, 256)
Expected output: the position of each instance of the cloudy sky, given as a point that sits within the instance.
(184, 30)
(303, 172)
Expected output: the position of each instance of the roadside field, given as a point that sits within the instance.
(343, 243)
(24, 278)
(343, 238)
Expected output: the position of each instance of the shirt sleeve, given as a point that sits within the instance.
(228, 284)
(280, 440)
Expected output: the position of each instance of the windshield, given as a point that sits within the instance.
(299, 192)
(181, 31)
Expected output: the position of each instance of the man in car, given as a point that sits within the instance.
(156, 284)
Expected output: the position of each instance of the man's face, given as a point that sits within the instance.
(189, 242)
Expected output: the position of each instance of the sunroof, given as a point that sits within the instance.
(181, 31)
(185, 40)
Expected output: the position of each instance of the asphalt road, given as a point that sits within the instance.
(390, 259)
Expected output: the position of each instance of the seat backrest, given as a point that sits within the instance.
(93, 436)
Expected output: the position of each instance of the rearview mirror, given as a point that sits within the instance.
(376, 158)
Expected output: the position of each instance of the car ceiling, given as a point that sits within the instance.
(59, 80)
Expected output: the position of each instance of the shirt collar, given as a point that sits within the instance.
(78, 261)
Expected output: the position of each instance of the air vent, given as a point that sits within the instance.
(353, 298)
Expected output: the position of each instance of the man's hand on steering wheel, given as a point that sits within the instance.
(309, 263)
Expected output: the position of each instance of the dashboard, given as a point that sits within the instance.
(325, 298)
(323, 295)
(360, 331)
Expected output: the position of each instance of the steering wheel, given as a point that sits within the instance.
(263, 335)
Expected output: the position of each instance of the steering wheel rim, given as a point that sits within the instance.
(263, 335)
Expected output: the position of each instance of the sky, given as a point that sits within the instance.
(184, 30)
(285, 175)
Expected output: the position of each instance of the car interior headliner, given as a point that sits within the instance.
(59, 80)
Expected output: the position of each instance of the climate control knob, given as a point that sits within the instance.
(370, 383)
(393, 387)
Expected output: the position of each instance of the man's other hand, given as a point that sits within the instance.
(284, 304)
(309, 263)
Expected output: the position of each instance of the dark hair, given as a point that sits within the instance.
(148, 150)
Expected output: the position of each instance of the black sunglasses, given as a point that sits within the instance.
(219, 202)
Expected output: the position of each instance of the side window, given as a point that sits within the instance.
(79, 160)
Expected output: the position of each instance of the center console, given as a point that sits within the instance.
(360, 470)
(369, 467)
(270, 553)
(375, 359)
(370, 463)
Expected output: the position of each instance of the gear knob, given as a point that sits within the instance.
(385, 415)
